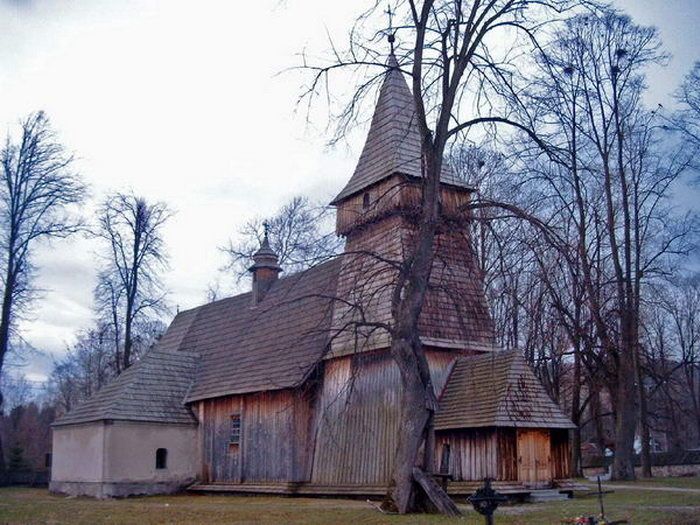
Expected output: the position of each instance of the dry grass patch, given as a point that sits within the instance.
(37, 506)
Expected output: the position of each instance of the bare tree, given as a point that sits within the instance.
(300, 233)
(687, 119)
(606, 195)
(457, 75)
(38, 189)
(129, 289)
(85, 368)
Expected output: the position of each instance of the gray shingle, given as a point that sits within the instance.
(497, 389)
(393, 143)
(150, 390)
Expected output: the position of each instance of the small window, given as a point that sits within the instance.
(47, 460)
(162, 458)
(365, 200)
(235, 436)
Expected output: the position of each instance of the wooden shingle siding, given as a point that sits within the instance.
(396, 195)
(454, 314)
(359, 407)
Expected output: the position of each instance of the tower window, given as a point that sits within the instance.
(235, 435)
(365, 200)
(162, 458)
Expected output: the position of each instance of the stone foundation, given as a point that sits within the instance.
(116, 490)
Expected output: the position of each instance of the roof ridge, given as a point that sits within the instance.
(281, 279)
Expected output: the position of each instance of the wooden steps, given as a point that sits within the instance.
(245, 488)
(456, 489)
(310, 489)
(465, 488)
(570, 485)
(542, 496)
(289, 489)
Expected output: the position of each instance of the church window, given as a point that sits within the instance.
(365, 200)
(162, 458)
(235, 436)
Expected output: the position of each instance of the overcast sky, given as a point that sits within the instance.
(182, 102)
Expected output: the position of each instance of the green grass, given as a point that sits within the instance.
(34, 506)
(688, 482)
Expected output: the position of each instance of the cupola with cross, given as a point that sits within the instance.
(265, 269)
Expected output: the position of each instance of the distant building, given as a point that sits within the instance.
(290, 388)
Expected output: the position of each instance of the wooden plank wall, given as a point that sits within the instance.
(359, 413)
(394, 194)
(507, 454)
(274, 444)
(473, 453)
(561, 454)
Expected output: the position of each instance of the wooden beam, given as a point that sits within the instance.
(437, 496)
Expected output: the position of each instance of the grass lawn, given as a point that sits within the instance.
(24, 505)
(688, 483)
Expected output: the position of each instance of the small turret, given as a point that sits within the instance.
(265, 269)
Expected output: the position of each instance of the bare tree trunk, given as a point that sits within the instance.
(576, 469)
(414, 420)
(643, 420)
(5, 320)
(418, 397)
(126, 363)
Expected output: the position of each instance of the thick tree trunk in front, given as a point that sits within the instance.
(413, 423)
(418, 401)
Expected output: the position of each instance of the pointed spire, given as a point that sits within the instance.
(393, 143)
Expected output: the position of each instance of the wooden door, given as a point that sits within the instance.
(534, 457)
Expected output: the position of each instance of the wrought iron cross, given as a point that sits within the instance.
(391, 37)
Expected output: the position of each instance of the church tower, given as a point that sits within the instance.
(377, 213)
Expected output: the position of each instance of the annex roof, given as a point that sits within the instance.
(151, 390)
(393, 143)
(500, 390)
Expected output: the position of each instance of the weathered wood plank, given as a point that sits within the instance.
(435, 494)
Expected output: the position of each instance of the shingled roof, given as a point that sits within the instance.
(151, 390)
(393, 143)
(496, 390)
(270, 346)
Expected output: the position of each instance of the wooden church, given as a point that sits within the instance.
(290, 388)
